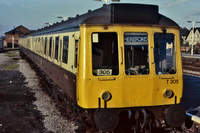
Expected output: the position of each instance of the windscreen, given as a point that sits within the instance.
(136, 53)
(164, 53)
(105, 54)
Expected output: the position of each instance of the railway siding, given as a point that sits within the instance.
(191, 65)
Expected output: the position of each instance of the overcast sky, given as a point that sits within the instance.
(33, 14)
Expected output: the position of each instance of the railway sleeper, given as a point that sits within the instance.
(193, 68)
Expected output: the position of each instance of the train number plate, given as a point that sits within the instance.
(102, 72)
(173, 81)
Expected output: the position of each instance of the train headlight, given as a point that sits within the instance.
(168, 93)
(106, 96)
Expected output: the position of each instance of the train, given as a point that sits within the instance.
(114, 68)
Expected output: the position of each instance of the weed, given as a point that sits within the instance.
(10, 67)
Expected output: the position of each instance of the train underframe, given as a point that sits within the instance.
(146, 119)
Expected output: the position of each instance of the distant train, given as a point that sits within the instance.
(118, 67)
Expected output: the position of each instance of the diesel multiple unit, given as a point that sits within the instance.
(118, 64)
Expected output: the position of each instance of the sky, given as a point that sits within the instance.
(33, 14)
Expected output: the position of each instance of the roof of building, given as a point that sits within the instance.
(197, 28)
(16, 30)
(113, 14)
(184, 32)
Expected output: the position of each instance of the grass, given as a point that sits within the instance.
(10, 67)
(13, 55)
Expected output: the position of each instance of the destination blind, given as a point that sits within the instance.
(132, 38)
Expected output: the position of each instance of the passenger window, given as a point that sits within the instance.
(164, 50)
(56, 48)
(65, 49)
(50, 46)
(76, 50)
(36, 43)
(45, 46)
(136, 53)
(105, 54)
(38, 47)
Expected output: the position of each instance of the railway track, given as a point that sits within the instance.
(191, 65)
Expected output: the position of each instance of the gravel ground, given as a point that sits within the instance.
(24, 107)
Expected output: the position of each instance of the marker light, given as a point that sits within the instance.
(106, 96)
(168, 93)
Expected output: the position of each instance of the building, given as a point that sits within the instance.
(184, 32)
(16, 33)
(194, 35)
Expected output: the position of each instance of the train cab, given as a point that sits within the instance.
(137, 66)
(128, 64)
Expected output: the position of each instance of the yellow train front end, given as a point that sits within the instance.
(133, 66)
(130, 66)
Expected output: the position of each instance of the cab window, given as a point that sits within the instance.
(105, 54)
(164, 50)
(136, 53)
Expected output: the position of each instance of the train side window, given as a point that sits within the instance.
(36, 42)
(76, 54)
(105, 54)
(38, 48)
(56, 48)
(45, 46)
(50, 46)
(136, 53)
(65, 49)
(164, 50)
